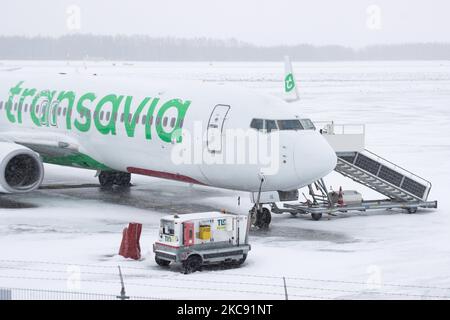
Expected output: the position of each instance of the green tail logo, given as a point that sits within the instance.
(289, 83)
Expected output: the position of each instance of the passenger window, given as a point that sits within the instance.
(64, 111)
(108, 115)
(158, 120)
(144, 117)
(121, 117)
(257, 124)
(172, 122)
(1, 105)
(25, 109)
(150, 121)
(271, 125)
(289, 125)
(101, 115)
(165, 121)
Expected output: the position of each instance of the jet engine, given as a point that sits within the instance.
(21, 169)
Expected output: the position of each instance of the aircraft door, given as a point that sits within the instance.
(215, 128)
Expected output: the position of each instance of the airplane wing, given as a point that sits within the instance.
(47, 145)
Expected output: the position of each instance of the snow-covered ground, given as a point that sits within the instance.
(52, 238)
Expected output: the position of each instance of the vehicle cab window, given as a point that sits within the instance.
(167, 228)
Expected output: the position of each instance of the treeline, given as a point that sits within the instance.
(144, 48)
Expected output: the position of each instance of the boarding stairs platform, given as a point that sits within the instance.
(371, 170)
(403, 189)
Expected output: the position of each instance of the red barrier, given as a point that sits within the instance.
(130, 247)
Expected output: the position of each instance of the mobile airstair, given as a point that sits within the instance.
(402, 188)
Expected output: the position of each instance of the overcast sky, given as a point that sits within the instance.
(267, 22)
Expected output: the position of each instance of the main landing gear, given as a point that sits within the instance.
(110, 178)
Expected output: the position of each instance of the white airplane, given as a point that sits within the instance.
(123, 126)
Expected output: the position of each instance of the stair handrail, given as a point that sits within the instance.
(395, 166)
(342, 125)
(406, 172)
(380, 159)
(384, 181)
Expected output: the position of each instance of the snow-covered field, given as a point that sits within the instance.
(67, 239)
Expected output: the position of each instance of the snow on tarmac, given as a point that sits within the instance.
(66, 235)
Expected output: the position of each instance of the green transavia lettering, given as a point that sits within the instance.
(46, 109)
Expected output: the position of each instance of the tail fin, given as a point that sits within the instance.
(290, 86)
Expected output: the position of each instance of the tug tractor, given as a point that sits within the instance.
(199, 239)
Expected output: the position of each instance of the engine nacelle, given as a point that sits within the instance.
(21, 169)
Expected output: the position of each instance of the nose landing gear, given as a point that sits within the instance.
(110, 178)
(261, 217)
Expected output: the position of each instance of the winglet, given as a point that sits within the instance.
(290, 86)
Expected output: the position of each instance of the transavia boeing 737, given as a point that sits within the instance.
(213, 135)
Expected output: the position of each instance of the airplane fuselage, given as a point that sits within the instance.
(174, 130)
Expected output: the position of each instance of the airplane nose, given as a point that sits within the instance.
(314, 157)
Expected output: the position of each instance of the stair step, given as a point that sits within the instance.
(371, 180)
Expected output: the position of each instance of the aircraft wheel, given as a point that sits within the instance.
(123, 179)
(106, 179)
(263, 218)
(411, 210)
(316, 216)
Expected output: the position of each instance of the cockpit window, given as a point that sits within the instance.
(257, 124)
(289, 125)
(307, 124)
(271, 125)
(268, 125)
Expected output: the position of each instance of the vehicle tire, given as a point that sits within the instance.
(316, 216)
(123, 179)
(263, 218)
(294, 214)
(192, 264)
(106, 179)
(411, 210)
(161, 262)
(242, 260)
